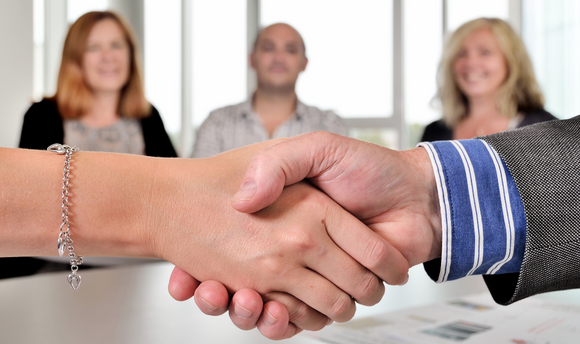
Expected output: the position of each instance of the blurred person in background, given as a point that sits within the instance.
(99, 105)
(274, 110)
(486, 83)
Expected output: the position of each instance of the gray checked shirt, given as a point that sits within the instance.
(238, 125)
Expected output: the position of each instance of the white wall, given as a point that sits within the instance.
(16, 49)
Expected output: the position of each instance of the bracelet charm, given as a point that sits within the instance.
(64, 237)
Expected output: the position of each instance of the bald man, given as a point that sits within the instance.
(274, 111)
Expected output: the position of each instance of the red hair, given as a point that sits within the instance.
(73, 97)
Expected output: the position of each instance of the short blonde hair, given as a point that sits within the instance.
(520, 90)
(73, 96)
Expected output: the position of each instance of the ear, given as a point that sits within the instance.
(252, 61)
(304, 64)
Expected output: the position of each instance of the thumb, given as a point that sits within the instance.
(282, 164)
(182, 285)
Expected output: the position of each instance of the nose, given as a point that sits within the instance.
(279, 55)
(107, 54)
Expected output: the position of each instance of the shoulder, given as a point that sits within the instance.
(536, 116)
(43, 114)
(316, 114)
(152, 122)
(154, 116)
(42, 126)
(154, 111)
(437, 131)
(229, 111)
(230, 114)
(316, 119)
(438, 124)
(45, 109)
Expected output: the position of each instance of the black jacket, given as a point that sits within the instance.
(439, 131)
(43, 126)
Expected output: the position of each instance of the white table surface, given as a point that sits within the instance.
(132, 305)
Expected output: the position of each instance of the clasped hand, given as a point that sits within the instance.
(301, 256)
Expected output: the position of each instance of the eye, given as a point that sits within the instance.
(461, 54)
(267, 47)
(118, 45)
(93, 48)
(292, 49)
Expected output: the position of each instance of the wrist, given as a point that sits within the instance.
(421, 163)
(110, 204)
(190, 196)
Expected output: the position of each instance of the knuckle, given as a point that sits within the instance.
(341, 311)
(300, 314)
(322, 135)
(398, 274)
(366, 289)
(376, 256)
(304, 241)
(315, 325)
(275, 267)
(307, 318)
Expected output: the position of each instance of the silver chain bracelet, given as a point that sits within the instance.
(64, 239)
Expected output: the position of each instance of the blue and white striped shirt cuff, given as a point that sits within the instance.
(483, 219)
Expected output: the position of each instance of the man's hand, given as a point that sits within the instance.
(392, 192)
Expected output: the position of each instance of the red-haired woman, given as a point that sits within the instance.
(99, 105)
(100, 102)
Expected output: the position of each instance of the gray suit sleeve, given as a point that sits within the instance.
(544, 160)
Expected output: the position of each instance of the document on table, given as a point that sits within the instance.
(469, 320)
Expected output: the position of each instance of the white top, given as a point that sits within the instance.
(238, 125)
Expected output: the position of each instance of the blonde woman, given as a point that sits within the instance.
(486, 83)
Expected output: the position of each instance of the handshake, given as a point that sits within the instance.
(320, 221)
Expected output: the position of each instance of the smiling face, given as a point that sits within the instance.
(106, 58)
(278, 57)
(480, 67)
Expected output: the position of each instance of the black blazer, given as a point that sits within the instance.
(43, 126)
(439, 131)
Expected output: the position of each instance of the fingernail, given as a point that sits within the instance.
(241, 311)
(406, 280)
(208, 305)
(246, 191)
(269, 319)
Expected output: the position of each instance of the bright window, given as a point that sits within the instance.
(423, 39)
(461, 11)
(219, 55)
(76, 8)
(163, 61)
(551, 31)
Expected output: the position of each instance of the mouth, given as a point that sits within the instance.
(278, 69)
(474, 77)
(108, 72)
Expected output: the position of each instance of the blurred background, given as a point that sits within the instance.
(373, 62)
